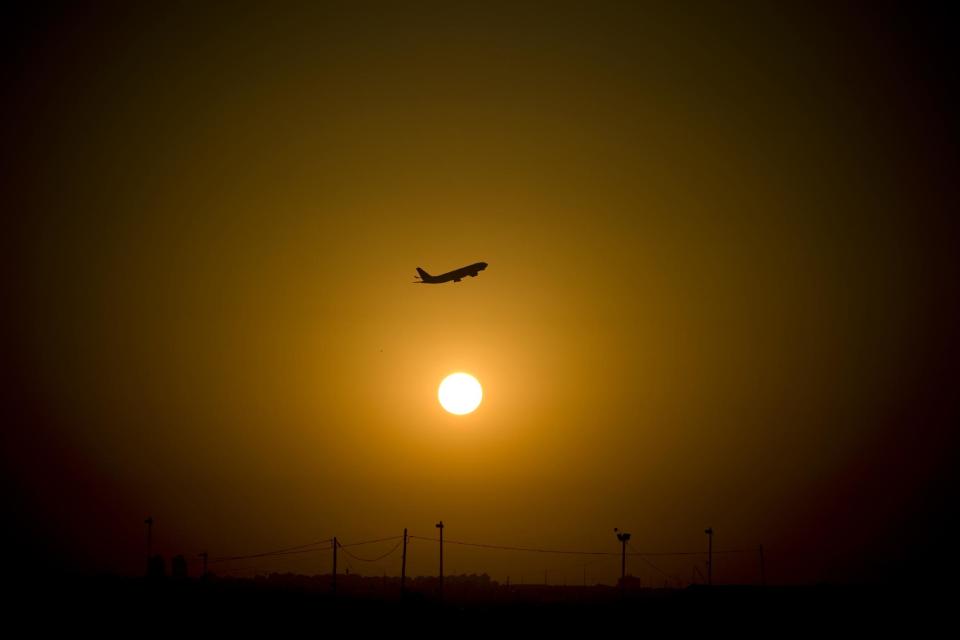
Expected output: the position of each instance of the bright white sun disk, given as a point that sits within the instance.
(460, 393)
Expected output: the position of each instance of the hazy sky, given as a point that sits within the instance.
(722, 283)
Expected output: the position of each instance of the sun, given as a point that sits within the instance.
(460, 393)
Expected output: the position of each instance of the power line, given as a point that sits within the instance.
(511, 548)
(358, 544)
(269, 554)
(293, 553)
(658, 569)
(576, 552)
(259, 566)
(301, 548)
(377, 559)
(688, 553)
(325, 545)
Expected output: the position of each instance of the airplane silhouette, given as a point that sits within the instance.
(456, 275)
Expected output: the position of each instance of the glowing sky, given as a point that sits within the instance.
(721, 288)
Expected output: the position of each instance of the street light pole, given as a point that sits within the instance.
(623, 537)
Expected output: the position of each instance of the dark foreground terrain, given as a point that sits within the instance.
(299, 604)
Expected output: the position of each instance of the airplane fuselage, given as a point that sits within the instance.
(452, 276)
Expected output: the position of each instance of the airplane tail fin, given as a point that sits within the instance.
(423, 274)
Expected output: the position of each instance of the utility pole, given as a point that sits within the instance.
(149, 523)
(624, 538)
(333, 581)
(763, 569)
(403, 564)
(440, 526)
(709, 532)
(204, 555)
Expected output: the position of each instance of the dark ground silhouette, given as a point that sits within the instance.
(122, 604)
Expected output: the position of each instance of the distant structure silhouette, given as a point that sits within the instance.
(178, 568)
(149, 523)
(709, 532)
(436, 585)
(403, 565)
(763, 569)
(440, 526)
(156, 567)
(333, 576)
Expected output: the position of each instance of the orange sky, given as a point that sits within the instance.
(721, 288)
